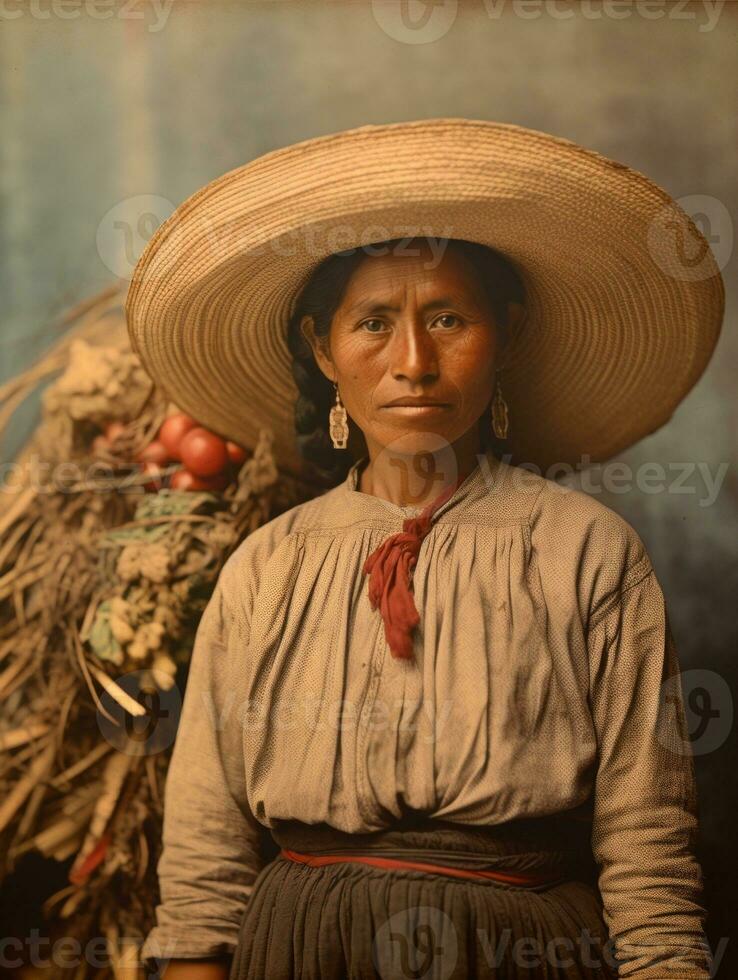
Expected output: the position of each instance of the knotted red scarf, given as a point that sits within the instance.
(390, 568)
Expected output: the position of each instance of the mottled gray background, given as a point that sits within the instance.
(155, 99)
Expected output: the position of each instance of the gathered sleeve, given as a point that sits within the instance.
(645, 808)
(211, 841)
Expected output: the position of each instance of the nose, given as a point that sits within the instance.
(414, 357)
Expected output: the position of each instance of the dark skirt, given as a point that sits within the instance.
(350, 920)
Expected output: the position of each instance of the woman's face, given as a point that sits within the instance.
(411, 327)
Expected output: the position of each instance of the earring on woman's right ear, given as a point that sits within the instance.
(337, 423)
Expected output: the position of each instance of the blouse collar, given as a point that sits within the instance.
(476, 484)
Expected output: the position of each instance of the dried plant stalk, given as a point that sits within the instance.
(99, 579)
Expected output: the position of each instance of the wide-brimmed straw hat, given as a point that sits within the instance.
(624, 298)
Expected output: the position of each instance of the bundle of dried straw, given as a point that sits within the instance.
(101, 581)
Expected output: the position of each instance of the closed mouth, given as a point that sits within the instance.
(417, 405)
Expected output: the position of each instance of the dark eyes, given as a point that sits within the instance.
(445, 321)
(447, 316)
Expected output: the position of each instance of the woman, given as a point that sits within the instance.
(425, 730)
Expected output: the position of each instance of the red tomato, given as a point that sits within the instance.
(185, 480)
(172, 430)
(113, 430)
(236, 454)
(153, 469)
(155, 452)
(202, 452)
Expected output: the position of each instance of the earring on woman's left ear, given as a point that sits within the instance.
(500, 414)
(338, 424)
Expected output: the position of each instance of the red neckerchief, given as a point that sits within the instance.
(390, 568)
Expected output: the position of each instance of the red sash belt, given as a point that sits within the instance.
(521, 879)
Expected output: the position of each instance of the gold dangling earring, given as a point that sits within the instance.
(337, 424)
(500, 416)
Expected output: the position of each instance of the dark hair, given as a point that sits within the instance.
(320, 298)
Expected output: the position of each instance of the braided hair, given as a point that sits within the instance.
(321, 297)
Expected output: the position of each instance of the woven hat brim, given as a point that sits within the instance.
(624, 298)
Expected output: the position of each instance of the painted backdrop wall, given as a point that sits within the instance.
(113, 110)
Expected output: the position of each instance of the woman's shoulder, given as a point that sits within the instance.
(279, 532)
(573, 530)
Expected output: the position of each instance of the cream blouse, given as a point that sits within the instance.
(542, 680)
